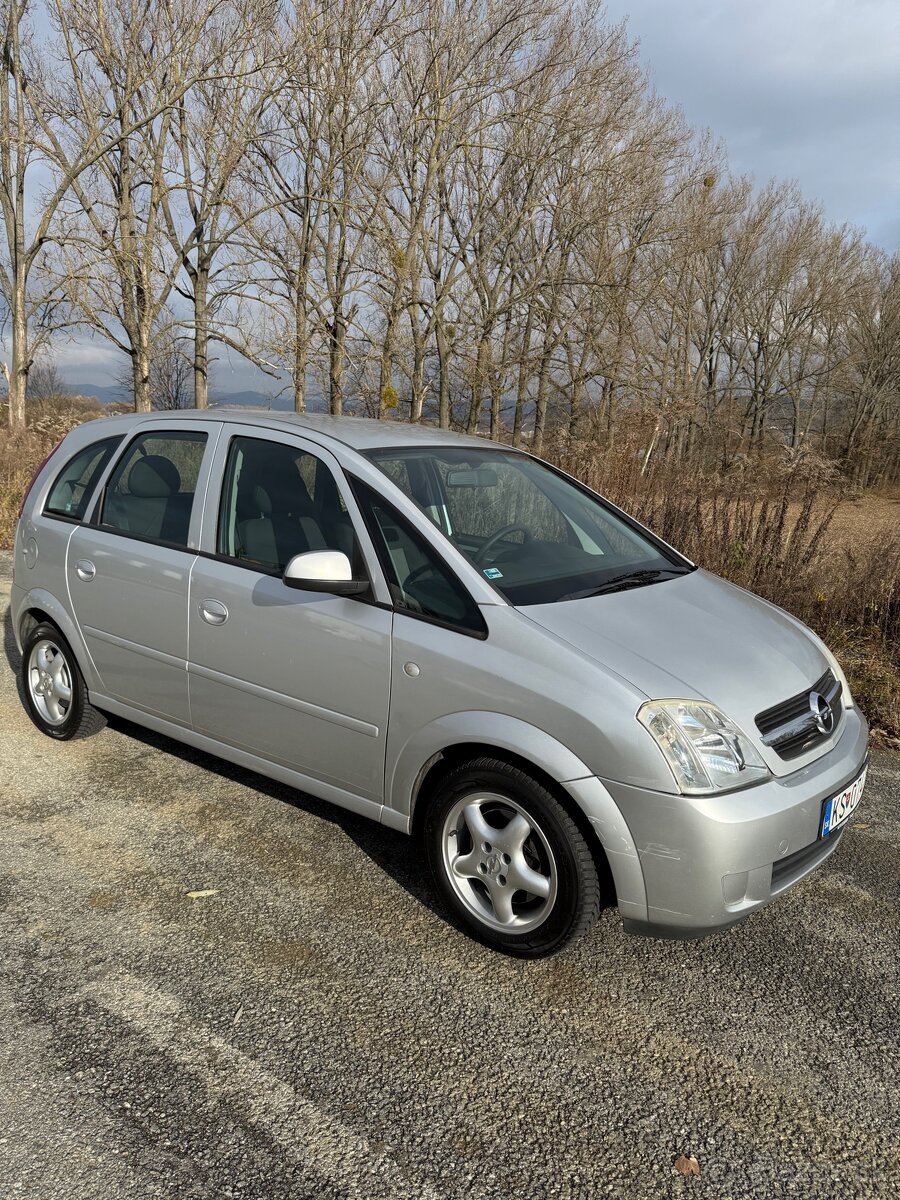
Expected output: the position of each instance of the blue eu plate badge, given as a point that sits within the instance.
(839, 807)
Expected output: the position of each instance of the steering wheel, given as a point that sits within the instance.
(480, 555)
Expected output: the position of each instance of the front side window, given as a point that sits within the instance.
(72, 487)
(278, 501)
(534, 534)
(421, 583)
(150, 493)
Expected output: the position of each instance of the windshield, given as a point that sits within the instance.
(536, 535)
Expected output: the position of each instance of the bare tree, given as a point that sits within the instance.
(478, 213)
(207, 207)
(33, 301)
(171, 371)
(138, 63)
(45, 380)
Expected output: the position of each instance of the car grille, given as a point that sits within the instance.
(790, 728)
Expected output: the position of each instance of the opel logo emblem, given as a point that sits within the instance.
(821, 711)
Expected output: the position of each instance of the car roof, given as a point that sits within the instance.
(359, 433)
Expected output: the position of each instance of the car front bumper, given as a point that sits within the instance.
(709, 861)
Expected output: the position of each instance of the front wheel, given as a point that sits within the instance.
(55, 693)
(509, 860)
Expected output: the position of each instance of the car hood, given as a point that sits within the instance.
(694, 636)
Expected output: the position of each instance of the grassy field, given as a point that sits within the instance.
(789, 531)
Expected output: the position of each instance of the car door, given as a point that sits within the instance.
(127, 571)
(301, 679)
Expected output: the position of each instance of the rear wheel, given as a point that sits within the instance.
(509, 860)
(56, 697)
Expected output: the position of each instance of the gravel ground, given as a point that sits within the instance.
(317, 1029)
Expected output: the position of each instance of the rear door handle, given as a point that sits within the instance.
(213, 612)
(85, 569)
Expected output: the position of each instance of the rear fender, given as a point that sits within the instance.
(43, 601)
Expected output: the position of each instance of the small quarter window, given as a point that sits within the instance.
(420, 581)
(150, 493)
(72, 487)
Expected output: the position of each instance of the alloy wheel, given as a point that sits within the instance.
(498, 862)
(50, 682)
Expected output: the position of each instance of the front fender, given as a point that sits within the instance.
(46, 602)
(553, 758)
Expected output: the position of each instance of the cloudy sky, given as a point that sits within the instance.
(797, 89)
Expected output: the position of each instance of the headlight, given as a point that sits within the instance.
(705, 751)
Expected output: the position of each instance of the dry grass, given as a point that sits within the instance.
(787, 531)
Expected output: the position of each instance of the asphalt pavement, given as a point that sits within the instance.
(212, 986)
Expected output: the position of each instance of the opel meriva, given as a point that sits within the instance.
(453, 638)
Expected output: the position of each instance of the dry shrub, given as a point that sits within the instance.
(767, 527)
(22, 452)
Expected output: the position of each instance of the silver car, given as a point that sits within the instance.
(450, 637)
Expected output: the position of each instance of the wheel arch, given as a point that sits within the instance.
(38, 606)
(440, 765)
(440, 747)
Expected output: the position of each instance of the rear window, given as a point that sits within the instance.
(72, 488)
(150, 493)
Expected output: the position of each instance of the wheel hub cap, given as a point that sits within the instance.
(492, 865)
(499, 862)
(50, 682)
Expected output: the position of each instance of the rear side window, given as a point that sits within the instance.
(150, 493)
(72, 487)
(420, 581)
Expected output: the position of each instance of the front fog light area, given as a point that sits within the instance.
(706, 752)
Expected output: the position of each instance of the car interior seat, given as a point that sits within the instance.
(152, 504)
(276, 517)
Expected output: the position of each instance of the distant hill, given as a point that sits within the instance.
(249, 399)
(111, 393)
(105, 394)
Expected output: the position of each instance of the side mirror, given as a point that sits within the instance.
(323, 571)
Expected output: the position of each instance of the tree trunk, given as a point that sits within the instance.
(540, 407)
(18, 369)
(301, 351)
(386, 394)
(443, 353)
(418, 341)
(481, 370)
(418, 371)
(201, 337)
(140, 372)
(496, 388)
(387, 397)
(522, 388)
(336, 359)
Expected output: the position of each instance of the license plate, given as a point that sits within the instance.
(839, 807)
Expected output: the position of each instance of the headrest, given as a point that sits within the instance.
(154, 476)
(262, 500)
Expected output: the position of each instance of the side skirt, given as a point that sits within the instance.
(262, 766)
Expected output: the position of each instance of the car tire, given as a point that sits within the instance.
(53, 687)
(509, 860)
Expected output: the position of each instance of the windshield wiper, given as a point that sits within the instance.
(627, 579)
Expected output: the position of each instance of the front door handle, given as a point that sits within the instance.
(213, 612)
(85, 570)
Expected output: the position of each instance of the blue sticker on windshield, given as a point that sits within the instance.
(493, 573)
